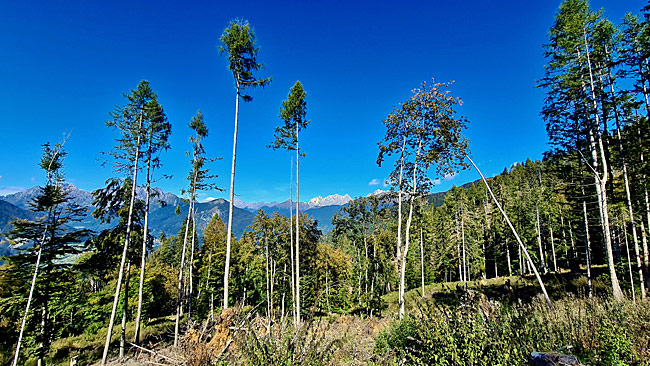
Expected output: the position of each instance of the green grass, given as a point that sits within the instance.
(89, 347)
(510, 289)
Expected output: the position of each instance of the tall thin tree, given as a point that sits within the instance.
(238, 41)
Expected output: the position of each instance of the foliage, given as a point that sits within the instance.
(479, 332)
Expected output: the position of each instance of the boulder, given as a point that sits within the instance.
(552, 359)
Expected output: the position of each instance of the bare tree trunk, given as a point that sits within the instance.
(462, 231)
(550, 226)
(226, 273)
(29, 299)
(422, 257)
(127, 237)
(180, 271)
(144, 247)
(293, 267)
(41, 344)
(646, 253)
(521, 244)
(601, 181)
(365, 264)
(191, 271)
(207, 286)
(521, 263)
(542, 261)
(629, 262)
(628, 194)
(461, 276)
(284, 292)
(508, 257)
(297, 228)
(409, 220)
(268, 286)
(125, 309)
(400, 289)
(273, 270)
(587, 245)
(327, 288)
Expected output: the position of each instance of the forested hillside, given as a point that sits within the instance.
(549, 255)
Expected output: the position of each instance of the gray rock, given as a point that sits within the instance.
(552, 359)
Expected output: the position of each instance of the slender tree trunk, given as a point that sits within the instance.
(587, 245)
(293, 267)
(521, 244)
(628, 196)
(29, 300)
(365, 264)
(601, 181)
(327, 288)
(461, 276)
(43, 336)
(550, 227)
(422, 257)
(297, 228)
(127, 237)
(208, 288)
(284, 292)
(646, 253)
(268, 286)
(144, 245)
(179, 298)
(409, 220)
(644, 236)
(521, 263)
(629, 262)
(226, 274)
(542, 260)
(191, 271)
(400, 289)
(573, 247)
(508, 257)
(462, 231)
(125, 310)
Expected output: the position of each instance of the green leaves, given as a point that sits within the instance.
(239, 43)
(294, 114)
(424, 131)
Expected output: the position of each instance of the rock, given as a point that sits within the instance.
(552, 359)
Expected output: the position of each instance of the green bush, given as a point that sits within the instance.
(479, 333)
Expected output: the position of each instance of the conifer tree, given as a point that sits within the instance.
(293, 112)
(238, 41)
(46, 242)
(129, 120)
(197, 179)
(158, 130)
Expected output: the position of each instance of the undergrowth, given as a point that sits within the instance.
(480, 332)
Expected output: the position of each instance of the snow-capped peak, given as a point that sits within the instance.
(334, 199)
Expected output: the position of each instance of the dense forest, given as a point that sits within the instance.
(548, 255)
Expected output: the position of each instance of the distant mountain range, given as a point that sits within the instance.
(162, 216)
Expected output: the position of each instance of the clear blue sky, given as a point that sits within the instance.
(65, 64)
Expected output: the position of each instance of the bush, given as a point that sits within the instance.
(601, 332)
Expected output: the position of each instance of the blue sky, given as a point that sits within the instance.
(65, 65)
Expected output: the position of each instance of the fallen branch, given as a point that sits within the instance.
(521, 244)
(155, 353)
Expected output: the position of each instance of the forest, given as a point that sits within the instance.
(549, 256)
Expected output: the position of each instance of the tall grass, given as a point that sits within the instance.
(479, 332)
